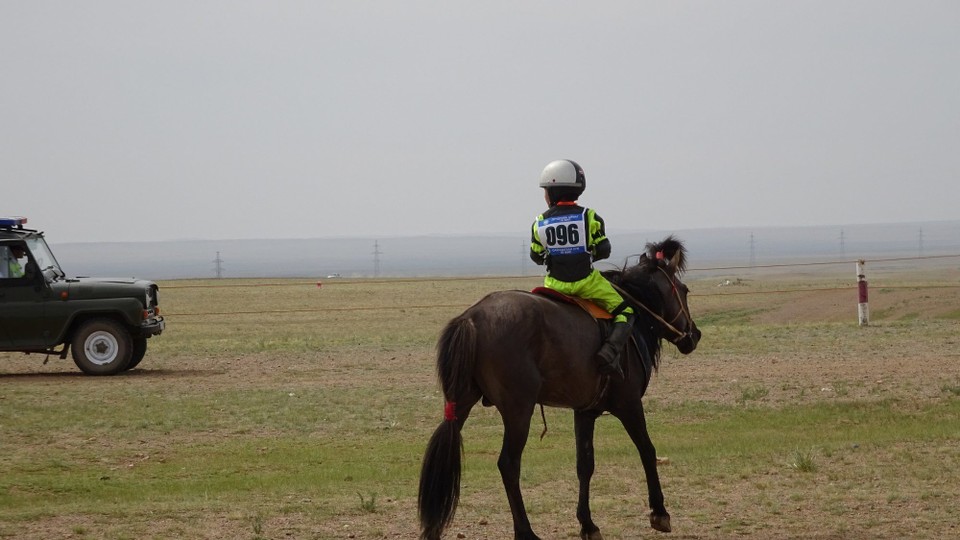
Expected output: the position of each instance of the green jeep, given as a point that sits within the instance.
(106, 322)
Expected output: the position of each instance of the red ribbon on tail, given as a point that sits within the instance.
(450, 411)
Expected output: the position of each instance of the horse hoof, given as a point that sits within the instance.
(660, 523)
(595, 535)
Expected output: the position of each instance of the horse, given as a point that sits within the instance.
(514, 350)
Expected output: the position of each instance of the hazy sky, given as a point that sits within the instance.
(229, 119)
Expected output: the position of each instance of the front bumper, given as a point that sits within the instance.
(152, 327)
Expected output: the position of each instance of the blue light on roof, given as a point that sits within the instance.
(12, 221)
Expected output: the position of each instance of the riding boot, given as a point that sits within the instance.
(608, 356)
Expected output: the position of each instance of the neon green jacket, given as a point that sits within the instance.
(558, 240)
(568, 238)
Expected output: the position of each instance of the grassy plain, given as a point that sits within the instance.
(279, 409)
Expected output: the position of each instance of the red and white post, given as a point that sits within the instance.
(863, 310)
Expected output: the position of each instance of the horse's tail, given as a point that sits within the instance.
(440, 475)
(456, 358)
(440, 480)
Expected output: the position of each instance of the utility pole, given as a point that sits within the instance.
(376, 258)
(753, 251)
(523, 258)
(218, 266)
(843, 246)
(920, 248)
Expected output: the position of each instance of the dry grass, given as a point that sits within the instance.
(302, 419)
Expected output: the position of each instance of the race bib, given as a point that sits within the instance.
(564, 235)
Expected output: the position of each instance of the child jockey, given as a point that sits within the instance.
(568, 238)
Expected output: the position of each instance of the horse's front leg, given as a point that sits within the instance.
(516, 428)
(636, 426)
(583, 424)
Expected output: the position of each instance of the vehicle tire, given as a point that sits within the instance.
(139, 349)
(102, 347)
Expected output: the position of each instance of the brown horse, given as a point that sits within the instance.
(515, 350)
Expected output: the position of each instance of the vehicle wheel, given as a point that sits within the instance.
(139, 349)
(102, 347)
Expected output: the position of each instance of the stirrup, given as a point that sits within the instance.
(607, 366)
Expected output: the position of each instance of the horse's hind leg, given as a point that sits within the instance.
(516, 428)
(636, 427)
(583, 424)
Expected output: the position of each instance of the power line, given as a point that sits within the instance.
(823, 263)
(347, 282)
(465, 305)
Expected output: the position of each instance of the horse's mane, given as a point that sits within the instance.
(649, 261)
(634, 278)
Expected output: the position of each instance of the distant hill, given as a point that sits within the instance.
(489, 255)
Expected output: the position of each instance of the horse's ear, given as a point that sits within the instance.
(662, 260)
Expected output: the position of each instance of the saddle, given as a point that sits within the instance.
(588, 305)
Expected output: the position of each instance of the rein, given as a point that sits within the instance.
(683, 310)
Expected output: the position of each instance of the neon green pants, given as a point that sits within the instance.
(594, 287)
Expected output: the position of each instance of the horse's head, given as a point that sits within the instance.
(654, 283)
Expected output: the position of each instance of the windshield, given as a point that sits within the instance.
(44, 257)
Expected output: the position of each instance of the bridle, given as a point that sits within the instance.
(669, 325)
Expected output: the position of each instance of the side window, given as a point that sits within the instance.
(13, 262)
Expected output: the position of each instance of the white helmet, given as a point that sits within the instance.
(563, 173)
